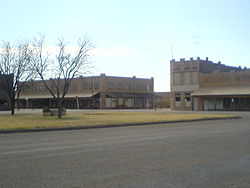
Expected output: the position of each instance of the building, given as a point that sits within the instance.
(204, 85)
(4, 99)
(4, 102)
(97, 92)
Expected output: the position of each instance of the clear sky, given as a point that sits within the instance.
(134, 37)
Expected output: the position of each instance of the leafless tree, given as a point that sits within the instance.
(62, 68)
(15, 69)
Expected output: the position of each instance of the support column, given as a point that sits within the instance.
(27, 103)
(102, 101)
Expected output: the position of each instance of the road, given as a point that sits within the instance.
(193, 154)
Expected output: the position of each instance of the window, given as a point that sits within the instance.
(141, 86)
(120, 85)
(128, 86)
(87, 86)
(187, 78)
(34, 88)
(25, 89)
(177, 97)
(44, 88)
(40, 88)
(96, 85)
(194, 77)
(110, 85)
(187, 97)
(74, 87)
(70, 88)
(177, 78)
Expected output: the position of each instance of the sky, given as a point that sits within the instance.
(137, 37)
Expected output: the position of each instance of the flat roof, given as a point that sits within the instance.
(222, 91)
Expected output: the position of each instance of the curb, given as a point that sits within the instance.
(106, 126)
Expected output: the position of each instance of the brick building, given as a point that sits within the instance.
(204, 85)
(4, 99)
(97, 92)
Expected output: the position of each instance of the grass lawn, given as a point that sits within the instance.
(73, 119)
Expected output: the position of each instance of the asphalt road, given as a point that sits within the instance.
(195, 154)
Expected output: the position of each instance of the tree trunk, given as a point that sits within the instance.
(12, 106)
(59, 107)
(18, 104)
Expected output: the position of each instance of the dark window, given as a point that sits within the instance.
(177, 97)
(187, 97)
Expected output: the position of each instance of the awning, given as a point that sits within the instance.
(126, 95)
(222, 91)
(70, 95)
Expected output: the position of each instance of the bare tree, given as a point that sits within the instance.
(62, 68)
(15, 67)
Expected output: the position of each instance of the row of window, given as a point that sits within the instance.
(128, 86)
(185, 68)
(72, 87)
(90, 86)
(187, 97)
(94, 85)
(185, 78)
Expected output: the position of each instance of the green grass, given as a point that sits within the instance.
(72, 119)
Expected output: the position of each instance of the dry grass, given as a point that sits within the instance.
(30, 121)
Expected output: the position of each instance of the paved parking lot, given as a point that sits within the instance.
(193, 154)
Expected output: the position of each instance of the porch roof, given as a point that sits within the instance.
(222, 91)
(69, 95)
